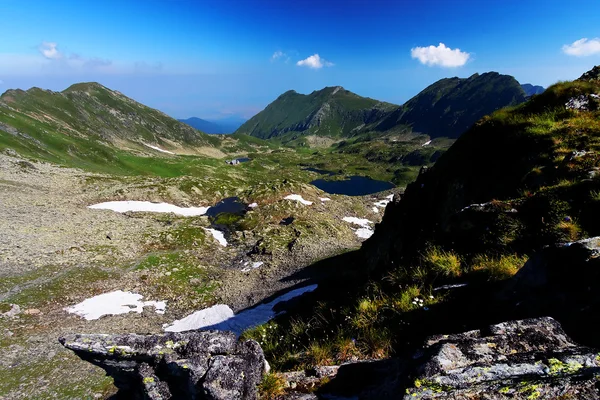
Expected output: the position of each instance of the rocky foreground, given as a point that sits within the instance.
(531, 358)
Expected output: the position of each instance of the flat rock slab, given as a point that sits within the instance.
(531, 358)
(191, 365)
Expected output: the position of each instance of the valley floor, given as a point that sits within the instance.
(56, 252)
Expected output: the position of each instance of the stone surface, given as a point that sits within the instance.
(191, 365)
(531, 358)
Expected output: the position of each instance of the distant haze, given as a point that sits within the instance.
(224, 125)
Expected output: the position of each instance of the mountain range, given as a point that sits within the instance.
(444, 109)
(219, 126)
(530, 89)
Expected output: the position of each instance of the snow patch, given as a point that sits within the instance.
(158, 149)
(147, 206)
(364, 233)
(253, 205)
(218, 235)
(255, 265)
(207, 317)
(375, 210)
(362, 222)
(427, 143)
(113, 303)
(220, 317)
(299, 198)
(384, 202)
(324, 199)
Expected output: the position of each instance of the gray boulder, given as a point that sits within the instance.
(191, 365)
(527, 359)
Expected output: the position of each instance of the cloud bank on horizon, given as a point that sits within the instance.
(440, 55)
(583, 47)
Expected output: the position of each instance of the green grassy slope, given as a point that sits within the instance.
(89, 126)
(450, 106)
(332, 111)
(521, 179)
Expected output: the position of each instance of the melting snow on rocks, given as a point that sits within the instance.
(298, 198)
(220, 317)
(208, 317)
(147, 206)
(365, 231)
(324, 199)
(158, 149)
(384, 202)
(249, 267)
(218, 235)
(114, 303)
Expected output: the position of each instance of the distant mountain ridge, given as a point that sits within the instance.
(94, 110)
(87, 123)
(221, 126)
(444, 109)
(450, 106)
(203, 125)
(332, 111)
(530, 89)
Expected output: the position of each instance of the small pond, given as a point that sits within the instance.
(353, 186)
(230, 205)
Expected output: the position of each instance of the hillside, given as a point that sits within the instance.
(503, 227)
(450, 106)
(444, 109)
(332, 112)
(89, 120)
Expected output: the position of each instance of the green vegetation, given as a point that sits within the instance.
(450, 106)
(445, 109)
(497, 268)
(271, 386)
(522, 178)
(332, 111)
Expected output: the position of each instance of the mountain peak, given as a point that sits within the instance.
(85, 87)
(591, 75)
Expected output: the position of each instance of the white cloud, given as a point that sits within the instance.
(582, 47)
(50, 51)
(315, 62)
(441, 56)
(277, 54)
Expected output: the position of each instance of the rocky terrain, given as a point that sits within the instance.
(56, 252)
(462, 291)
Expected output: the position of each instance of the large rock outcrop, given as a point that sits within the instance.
(527, 359)
(190, 365)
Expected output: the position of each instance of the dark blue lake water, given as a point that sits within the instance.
(231, 205)
(353, 186)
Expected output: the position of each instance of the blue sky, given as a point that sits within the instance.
(232, 57)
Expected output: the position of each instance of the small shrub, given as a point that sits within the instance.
(497, 269)
(405, 301)
(569, 230)
(375, 342)
(319, 354)
(445, 263)
(346, 349)
(366, 313)
(271, 386)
